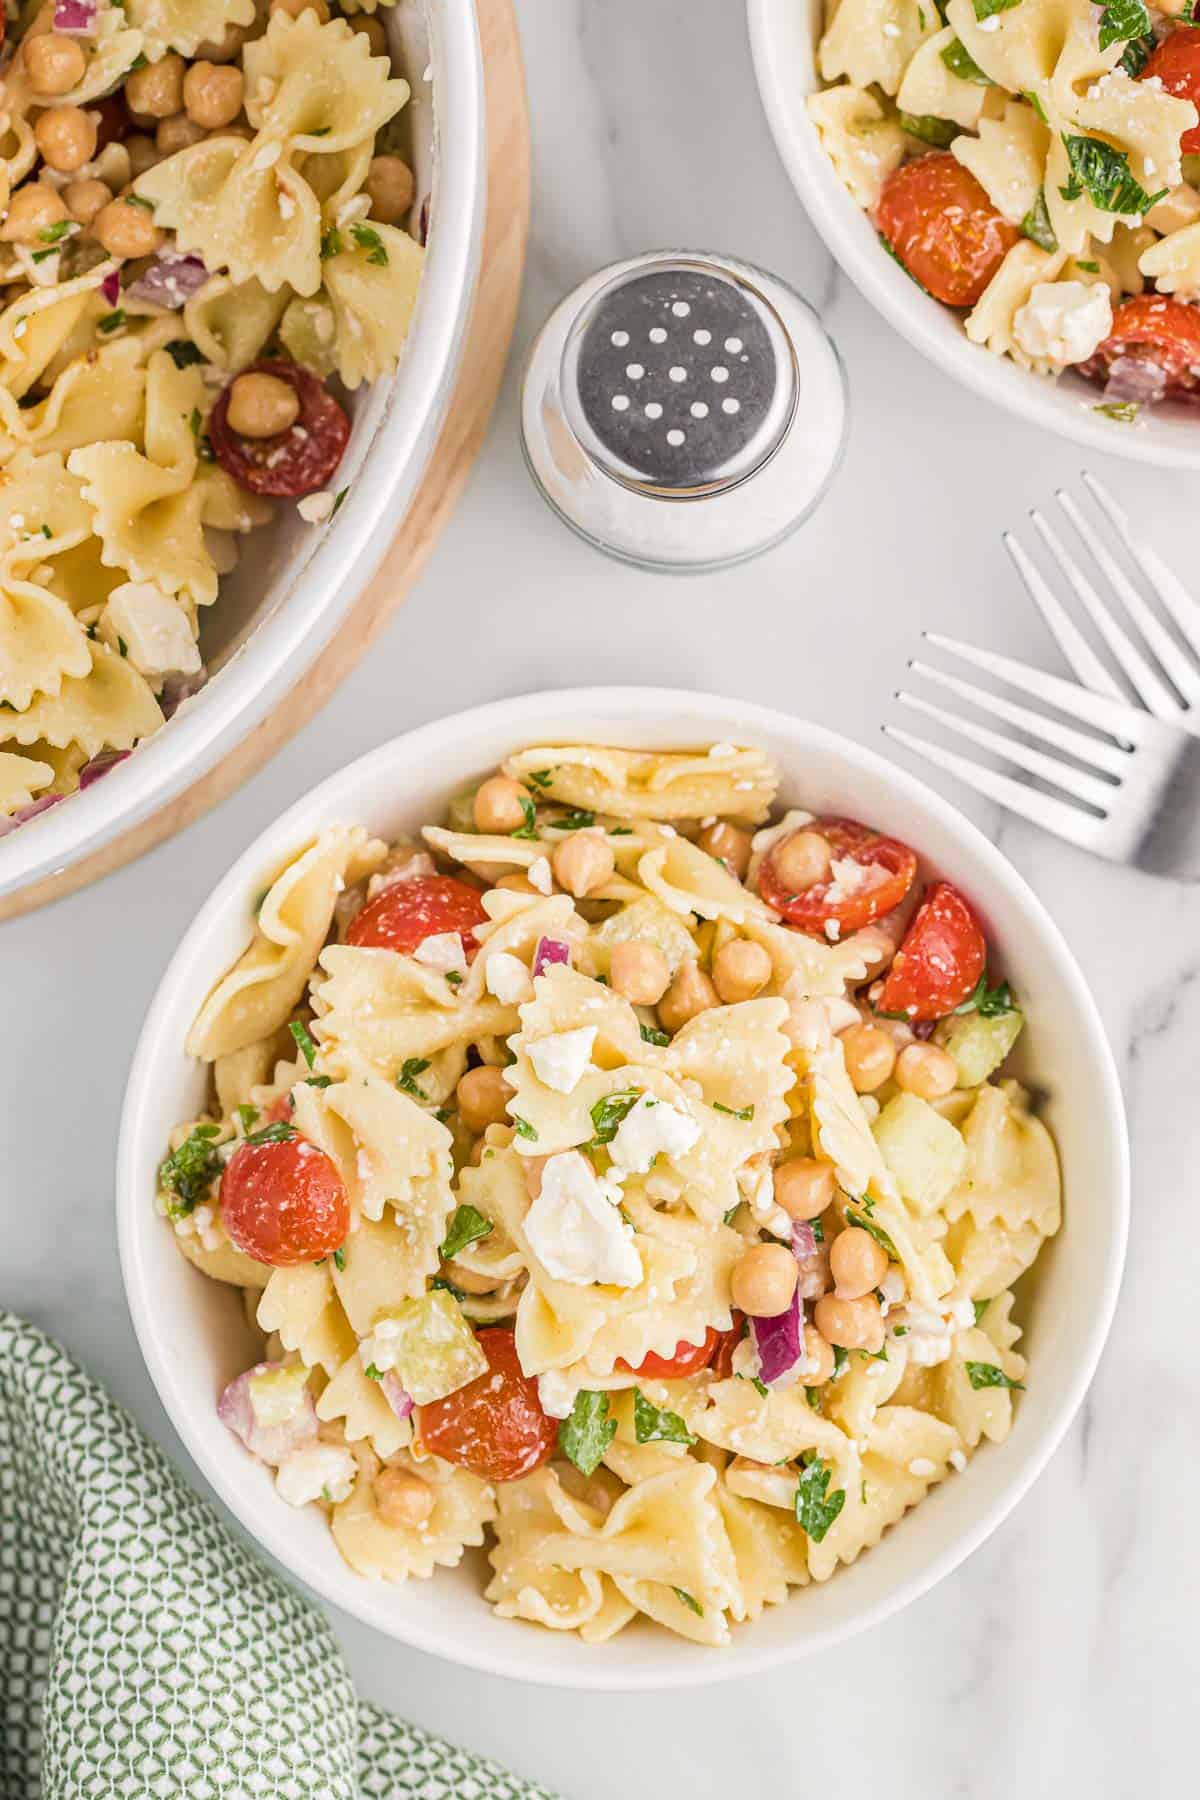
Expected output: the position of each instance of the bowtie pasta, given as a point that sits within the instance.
(617, 1179)
(1036, 164)
(201, 247)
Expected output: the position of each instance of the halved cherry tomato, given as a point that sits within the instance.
(943, 227)
(891, 870)
(405, 913)
(1157, 329)
(293, 462)
(688, 1358)
(722, 1362)
(939, 963)
(495, 1425)
(1176, 64)
(283, 1202)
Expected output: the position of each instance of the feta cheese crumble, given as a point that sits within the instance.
(507, 979)
(648, 1128)
(314, 509)
(540, 875)
(153, 628)
(1064, 322)
(323, 1471)
(556, 1393)
(442, 951)
(560, 1061)
(575, 1230)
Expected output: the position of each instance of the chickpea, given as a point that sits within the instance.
(639, 973)
(225, 48)
(857, 1263)
(126, 229)
(741, 969)
(853, 1324)
(293, 8)
(32, 209)
(177, 133)
(391, 186)
(66, 137)
(691, 992)
(804, 1187)
(85, 199)
(582, 863)
(374, 32)
(212, 94)
(801, 861)
(54, 64)
(516, 884)
(499, 805)
(156, 92)
(729, 845)
(143, 154)
(482, 1095)
(926, 1071)
(818, 1354)
(261, 406)
(870, 1057)
(402, 1499)
(763, 1280)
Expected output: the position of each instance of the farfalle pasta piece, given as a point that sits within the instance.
(524, 1586)
(1021, 51)
(862, 143)
(906, 1452)
(113, 45)
(770, 1551)
(981, 1407)
(991, 321)
(1007, 158)
(386, 1261)
(35, 326)
(301, 1305)
(21, 777)
(261, 991)
(649, 784)
(376, 1008)
(866, 1384)
(109, 708)
(371, 282)
(687, 880)
(109, 383)
(1173, 263)
(989, 1258)
(224, 1262)
(184, 25)
(361, 1406)
(768, 1428)
(463, 1505)
(392, 1154)
(41, 642)
(229, 322)
(932, 87)
(312, 90)
(872, 42)
(1012, 1175)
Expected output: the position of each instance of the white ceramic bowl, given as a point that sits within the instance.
(194, 1337)
(294, 585)
(783, 36)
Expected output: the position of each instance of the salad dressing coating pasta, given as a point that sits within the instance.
(541, 1322)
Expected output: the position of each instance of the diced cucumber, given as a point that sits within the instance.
(979, 1044)
(276, 1394)
(922, 1150)
(434, 1351)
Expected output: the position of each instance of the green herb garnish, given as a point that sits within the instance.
(303, 1037)
(280, 1132)
(541, 777)
(1036, 224)
(867, 1224)
(523, 1128)
(466, 1227)
(406, 1080)
(990, 1003)
(986, 9)
(652, 1426)
(1105, 176)
(337, 501)
(54, 234)
(138, 200)
(608, 1114)
(734, 1112)
(941, 133)
(331, 243)
(529, 828)
(960, 62)
(987, 1375)
(183, 353)
(112, 321)
(122, 646)
(1122, 20)
(368, 239)
(688, 1600)
(580, 820)
(585, 1434)
(190, 1171)
(1124, 411)
(652, 1035)
(248, 1118)
(814, 1512)
(981, 1307)
(339, 1258)
(372, 1373)
(1137, 54)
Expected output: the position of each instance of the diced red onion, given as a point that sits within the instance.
(401, 1403)
(923, 1028)
(169, 280)
(804, 1240)
(110, 287)
(779, 1342)
(23, 814)
(1133, 378)
(272, 1443)
(100, 765)
(178, 688)
(550, 950)
(75, 18)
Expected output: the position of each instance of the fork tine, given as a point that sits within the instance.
(1152, 692)
(1088, 788)
(1171, 658)
(1170, 590)
(1058, 816)
(1063, 629)
(1116, 717)
(1092, 752)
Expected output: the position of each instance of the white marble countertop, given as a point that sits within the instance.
(1064, 1656)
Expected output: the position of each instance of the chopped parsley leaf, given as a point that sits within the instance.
(280, 1132)
(406, 1080)
(1036, 224)
(46, 531)
(987, 1375)
(248, 1116)
(986, 9)
(813, 1398)
(734, 1112)
(1093, 268)
(453, 978)
(652, 1035)
(981, 1307)
(331, 243)
(1122, 20)
(523, 1128)
(580, 820)
(688, 1600)
(1137, 54)
(54, 234)
(868, 1225)
(608, 1114)
(190, 1171)
(466, 1227)
(529, 828)
(370, 241)
(303, 1037)
(122, 646)
(841, 1356)
(1124, 411)
(1103, 173)
(183, 353)
(138, 200)
(40, 256)
(112, 321)
(941, 133)
(585, 1434)
(990, 1003)
(815, 1510)
(337, 501)
(652, 1425)
(731, 1215)
(321, 1081)
(541, 777)
(960, 62)
(339, 1258)
(372, 1373)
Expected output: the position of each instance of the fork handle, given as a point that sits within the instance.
(1170, 844)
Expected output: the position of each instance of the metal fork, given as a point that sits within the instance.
(1124, 778)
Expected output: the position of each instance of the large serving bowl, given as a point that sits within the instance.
(295, 583)
(783, 35)
(193, 1331)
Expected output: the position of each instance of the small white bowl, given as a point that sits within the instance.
(193, 1333)
(783, 37)
(294, 584)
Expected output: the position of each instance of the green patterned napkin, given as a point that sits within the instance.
(144, 1653)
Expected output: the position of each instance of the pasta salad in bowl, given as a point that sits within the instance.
(618, 1174)
(1030, 165)
(212, 242)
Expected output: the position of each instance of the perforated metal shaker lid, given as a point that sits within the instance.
(682, 410)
